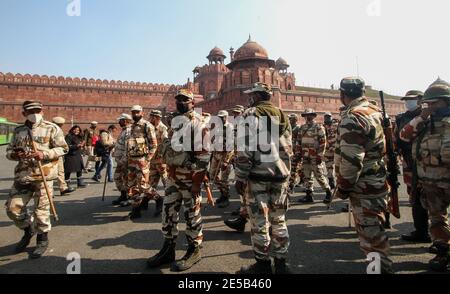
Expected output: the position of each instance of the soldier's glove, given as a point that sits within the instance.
(240, 187)
(341, 194)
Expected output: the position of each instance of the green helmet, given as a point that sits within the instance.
(440, 89)
(353, 86)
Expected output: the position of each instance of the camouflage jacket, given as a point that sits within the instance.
(89, 135)
(225, 148)
(251, 162)
(402, 147)
(331, 134)
(360, 148)
(161, 134)
(191, 164)
(49, 139)
(430, 150)
(311, 141)
(144, 129)
(120, 148)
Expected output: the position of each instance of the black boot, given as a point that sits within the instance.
(281, 268)
(308, 198)
(67, 191)
(96, 178)
(41, 246)
(122, 197)
(225, 202)
(417, 237)
(236, 212)
(237, 224)
(25, 241)
(261, 267)
(440, 262)
(165, 256)
(387, 223)
(144, 204)
(80, 183)
(332, 184)
(159, 206)
(191, 257)
(328, 197)
(135, 213)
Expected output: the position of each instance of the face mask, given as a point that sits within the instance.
(182, 107)
(137, 118)
(34, 118)
(411, 105)
(328, 121)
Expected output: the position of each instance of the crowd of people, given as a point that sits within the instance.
(345, 155)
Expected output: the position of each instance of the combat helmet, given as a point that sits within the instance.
(309, 111)
(353, 86)
(440, 89)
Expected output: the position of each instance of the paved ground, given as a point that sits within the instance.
(321, 241)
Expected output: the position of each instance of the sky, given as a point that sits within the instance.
(395, 45)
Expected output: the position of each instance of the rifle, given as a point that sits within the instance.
(104, 185)
(41, 170)
(392, 166)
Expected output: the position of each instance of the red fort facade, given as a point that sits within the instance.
(217, 86)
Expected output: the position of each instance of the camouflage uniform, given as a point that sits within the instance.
(296, 160)
(141, 146)
(267, 183)
(120, 155)
(431, 152)
(311, 144)
(158, 170)
(221, 158)
(331, 132)
(28, 182)
(361, 171)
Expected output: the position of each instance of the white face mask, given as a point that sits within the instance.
(34, 118)
(411, 105)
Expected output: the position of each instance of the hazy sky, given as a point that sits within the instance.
(400, 44)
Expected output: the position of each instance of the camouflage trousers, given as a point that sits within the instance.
(38, 218)
(138, 180)
(90, 157)
(120, 175)
(329, 163)
(221, 176)
(310, 168)
(297, 175)
(178, 193)
(369, 216)
(158, 172)
(267, 204)
(437, 201)
(61, 176)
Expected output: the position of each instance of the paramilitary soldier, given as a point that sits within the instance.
(64, 188)
(311, 144)
(158, 169)
(187, 159)
(265, 181)
(28, 181)
(331, 127)
(220, 167)
(90, 135)
(296, 160)
(120, 155)
(420, 215)
(141, 146)
(430, 134)
(360, 168)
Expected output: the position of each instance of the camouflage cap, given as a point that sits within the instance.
(260, 87)
(206, 114)
(185, 93)
(125, 116)
(28, 105)
(222, 113)
(328, 114)
(440, 89)
(352, 86)
(309, 111)
(94, 123)
(137, 108)
(413, 95)
(156, 112)
(293, 116)
(238, 109)
(58, 120)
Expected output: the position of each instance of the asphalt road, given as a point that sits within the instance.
(321, 242)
